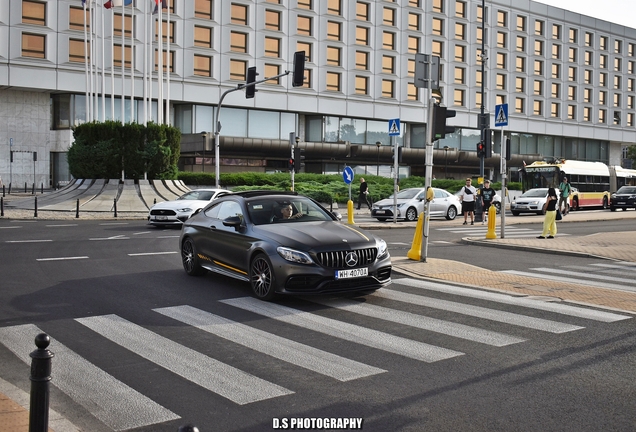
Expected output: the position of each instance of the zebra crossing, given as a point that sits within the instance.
(512, 231)
(120, 407)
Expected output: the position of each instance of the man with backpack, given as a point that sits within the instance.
(564, 189)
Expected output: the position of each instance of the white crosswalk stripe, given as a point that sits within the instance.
(108, 399)
(353, 333)
(580, 279)
(512, 231)
(296, 353)
(218, 377)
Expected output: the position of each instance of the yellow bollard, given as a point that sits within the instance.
(416, 249)
(350, 213)
(492, 222)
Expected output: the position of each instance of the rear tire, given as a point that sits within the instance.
(190, 259)
(262, 278)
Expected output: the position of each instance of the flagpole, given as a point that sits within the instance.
(86, 60)
(168, 65)
(132, 63)
(103, 116)
(91, 58)
(144, 81)
(160, 67)
(112, 64)
(123, 62)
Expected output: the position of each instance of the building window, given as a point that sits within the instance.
(362, 60)
(630, 84)
(272, 47)
(501, 82)
(238, 14)
(539, 28)
(412, 92)
(502, 39)
(538, 48)
(572, 93)
(238, 70)
(538, 67)
(362, 11)
(618, 46)
(521, 23)
(556, 71)
(572, 55)
(501, 61)
(521, 43)
(333, 30)
(438, 48)
(618, 64)
(588, 58)
(602, 79)
(33, 45)
(414, 22)
(272, 20)
(502, 19)
(460, 31)
(362, 36)
(587, 114)
(333, 7)
(388, 64)
(460, 75)
(538, 108)
(602, 116)
(304, 4)
(166, 59)
(556, 31)
(76, 18)
(165, 32)
(521, 64)
(520, 105)
(271, 70)
(631, 49)
(520, 85)
(538, 88)
(556, 90)
(617, 82)
(333, 81)
(587, 76)
(388, 40)
(459, 97)
(478, 99)
(460, 53)
(480, 35)
(76, 50)
(203, 9)
(306, 47)
(202, 65)
(571, 112)
(388, 17)
(602, 98)
(573, 35)
(602, 61)
(630, 67)
(438, 6)
(438, 27)
(238, 42)
(202, 37)
(460, 9)
(128, 26)
(617, 100)
(630, 119)
(589, 39)
(500, 99)
(304, 27)
(602, 43)
(33, 12)
(388, 88)
(362, 85)
(587, 95)
(333, 56)
(572, 73)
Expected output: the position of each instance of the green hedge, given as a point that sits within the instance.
(322, 188)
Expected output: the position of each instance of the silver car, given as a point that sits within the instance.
(410, 204)
(178, 211)
(531, 201)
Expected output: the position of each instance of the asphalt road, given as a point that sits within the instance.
(415, 356)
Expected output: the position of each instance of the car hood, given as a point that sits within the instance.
(317, 235)
(389, 202)
(173, 205)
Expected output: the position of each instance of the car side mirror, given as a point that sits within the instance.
(337, 215)
(233, 221)
(196, 212)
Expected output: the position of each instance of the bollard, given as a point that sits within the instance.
(25, 187)
(415, 253)
(40, 381)
(115, 206)
(492, 223)
(35, 213)
(3, 191)
(1, 206)
(350, 220)
(9, 188)
(77, 209)
(41, 188)
(188, 428)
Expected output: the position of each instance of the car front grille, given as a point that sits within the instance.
(336, 259)
(163, 212)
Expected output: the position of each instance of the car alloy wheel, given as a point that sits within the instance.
(411, 214)
(451, 213)
(190, 259)
(262, 277)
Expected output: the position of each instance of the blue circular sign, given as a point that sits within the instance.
(348, 175)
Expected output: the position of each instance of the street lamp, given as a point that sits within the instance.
(446, 161)
(204, 134)
(377, 172)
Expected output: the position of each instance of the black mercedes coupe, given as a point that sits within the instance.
(283, 243)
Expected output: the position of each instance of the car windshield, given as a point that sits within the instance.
(197, 195)
(626, 190)
(535, 193)
(406, 194)
(266, 210)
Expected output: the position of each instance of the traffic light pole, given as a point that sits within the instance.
(478, 210)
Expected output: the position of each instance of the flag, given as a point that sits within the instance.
(86, 1)
(112, 3)
(164, 5)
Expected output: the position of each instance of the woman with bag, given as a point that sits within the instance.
(549, 222)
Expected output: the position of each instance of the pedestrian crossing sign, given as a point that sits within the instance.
(394, 127)
(501, 115)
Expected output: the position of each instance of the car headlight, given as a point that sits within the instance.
(184, 210)
(294, 255)
(613, 196)
(382, 248)
(534, 202)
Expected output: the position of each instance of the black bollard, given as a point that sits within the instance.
(41, 188)
(35, 213)
(3, 191)
(40, 381)
(115, 206)
(25, 187)
(77, 209)
(9, 188)
(188, 428)
(1, 206)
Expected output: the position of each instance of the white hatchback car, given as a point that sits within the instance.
(410, 203)
(178, 211)
(531, 201)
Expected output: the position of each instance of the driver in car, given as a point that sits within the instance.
(286, 212)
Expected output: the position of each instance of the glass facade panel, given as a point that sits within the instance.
(234, 122)
(263, 124)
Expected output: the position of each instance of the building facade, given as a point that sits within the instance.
(569, 81)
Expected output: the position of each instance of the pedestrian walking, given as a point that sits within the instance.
(549, 221)
(363, 196)
(487, 197)
(564, 189)
(467, 198)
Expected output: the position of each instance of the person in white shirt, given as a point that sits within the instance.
(467, 197)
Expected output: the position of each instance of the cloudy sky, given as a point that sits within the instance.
(617, 11)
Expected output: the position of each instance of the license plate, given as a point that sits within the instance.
(621, 202)
(161, 217)
(380, 212)
(352, 273)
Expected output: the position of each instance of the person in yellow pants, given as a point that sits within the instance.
(549, 222)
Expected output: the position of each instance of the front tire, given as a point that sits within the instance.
(451, 213)
(411, 214)
(190, 259)
(262, 278)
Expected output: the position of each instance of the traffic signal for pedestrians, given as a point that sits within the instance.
(290, 164)
(251, 77)
(299, 158)
(440, 114)
(481, 149)
(298, 77)
(487, 139)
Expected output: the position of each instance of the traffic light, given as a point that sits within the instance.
(298, 77)
(299, 158)
(400, 154)
(251, 77)
(440, 114)
(487, 140)
(290, 165)
(481, 149)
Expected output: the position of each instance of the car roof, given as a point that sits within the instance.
(262, 193)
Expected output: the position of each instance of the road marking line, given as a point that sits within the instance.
(298, 354)
(139, 233)
(119, 237)
(152, 253)
(62, 225)
(174, 236)
(9, 227)
(117, 405)
(28, 241)
(211, 374)
(342, 330)
(114, 223)
(62, 258)
(629, 282)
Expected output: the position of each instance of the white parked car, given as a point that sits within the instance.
(531, 201)
(178, 211)
(410, 203)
